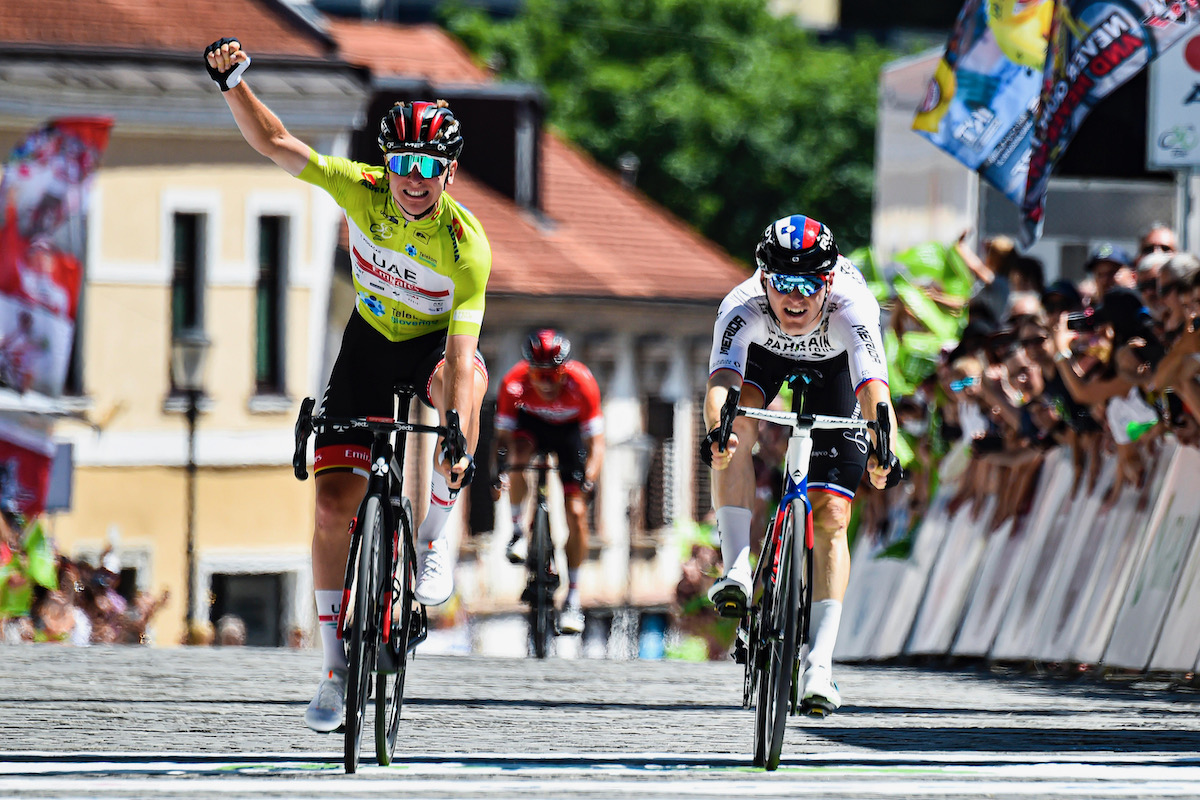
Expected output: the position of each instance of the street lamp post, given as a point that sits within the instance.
(189, 350)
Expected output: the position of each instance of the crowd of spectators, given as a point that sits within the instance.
(47, 597)
(1106, 367)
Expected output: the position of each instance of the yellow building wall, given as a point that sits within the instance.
(253, 509)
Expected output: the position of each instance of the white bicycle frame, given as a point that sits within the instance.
(799, 449)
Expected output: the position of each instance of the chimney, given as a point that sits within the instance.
(627, 165)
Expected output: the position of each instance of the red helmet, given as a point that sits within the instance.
(546, 349)
(421, 127)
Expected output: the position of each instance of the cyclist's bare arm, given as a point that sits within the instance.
(719, 384)
(261, 128)
(595, 457)
(870, 394)
(458, 392)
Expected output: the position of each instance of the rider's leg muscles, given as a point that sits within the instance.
(831, 572)
(518, 487)
(733, 489)
(338, 496)
(441, 498)
(577, 542)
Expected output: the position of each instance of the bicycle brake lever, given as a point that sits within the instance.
(883, 434)
(729, 412)
(303, 429)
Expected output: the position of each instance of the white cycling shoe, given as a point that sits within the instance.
(819, 695)
(435, 573)
(571, 619)
(730, 594)
(328, 707)
(518, 547)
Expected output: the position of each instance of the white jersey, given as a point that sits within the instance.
(850, 325)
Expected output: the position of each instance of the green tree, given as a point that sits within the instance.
(737, 117)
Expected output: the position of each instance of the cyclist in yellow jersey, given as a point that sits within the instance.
(420, 263)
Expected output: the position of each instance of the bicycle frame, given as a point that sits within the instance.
(371, 581)
(774, 632)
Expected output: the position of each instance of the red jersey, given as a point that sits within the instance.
(578, 400)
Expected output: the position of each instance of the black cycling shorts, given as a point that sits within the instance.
(839, 458)
(362, 383)
(565, 441)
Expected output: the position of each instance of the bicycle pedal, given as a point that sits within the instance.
(814, 707)
(730, 602)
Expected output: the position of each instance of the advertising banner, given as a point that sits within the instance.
(1094, 47)
(43, 198)
(1173, 129)
(981, 104)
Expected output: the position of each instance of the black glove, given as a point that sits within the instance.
(706, 444)
(231, 78)
(468, 473)
(896, 475)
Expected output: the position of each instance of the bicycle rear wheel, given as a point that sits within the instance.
(364, 630)
(778, 634)
(389, 688)
(541, 612)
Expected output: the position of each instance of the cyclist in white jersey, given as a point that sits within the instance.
(805, 306)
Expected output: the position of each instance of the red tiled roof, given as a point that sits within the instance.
(419, 51)
(157, 26)
(604, 239)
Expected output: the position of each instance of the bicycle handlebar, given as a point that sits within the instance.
(307, 424)
(882, 425)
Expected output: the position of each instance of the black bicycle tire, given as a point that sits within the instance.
(359, 656)
(541, 620)
(804, 637)
(759, 654)
(775, 693)
(389, 701)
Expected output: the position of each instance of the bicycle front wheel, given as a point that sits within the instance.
(389, 688)
(360, 649)
(779, 637)
(541, 612)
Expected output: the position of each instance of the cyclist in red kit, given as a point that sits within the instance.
(549, 403)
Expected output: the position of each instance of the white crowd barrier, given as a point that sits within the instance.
(1073, 580)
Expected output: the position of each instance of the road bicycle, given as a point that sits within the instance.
(381, 621)
(543, 579)
(773, 634)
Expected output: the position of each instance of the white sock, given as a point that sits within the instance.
(823, 627)
(329, 606)
(733, 526)
(441, 503)
(573, 586)
(516, 518)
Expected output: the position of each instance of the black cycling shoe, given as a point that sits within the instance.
(730, 601)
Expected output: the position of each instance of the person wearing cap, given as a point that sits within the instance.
(1109, 265)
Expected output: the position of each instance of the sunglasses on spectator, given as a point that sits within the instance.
(1033, 341)
(1169, 288)
(427, 166)
(806, 285)
(1148, 287)
(1150, 248)
(963, 383)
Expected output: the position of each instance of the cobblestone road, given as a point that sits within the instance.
(210, 706)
